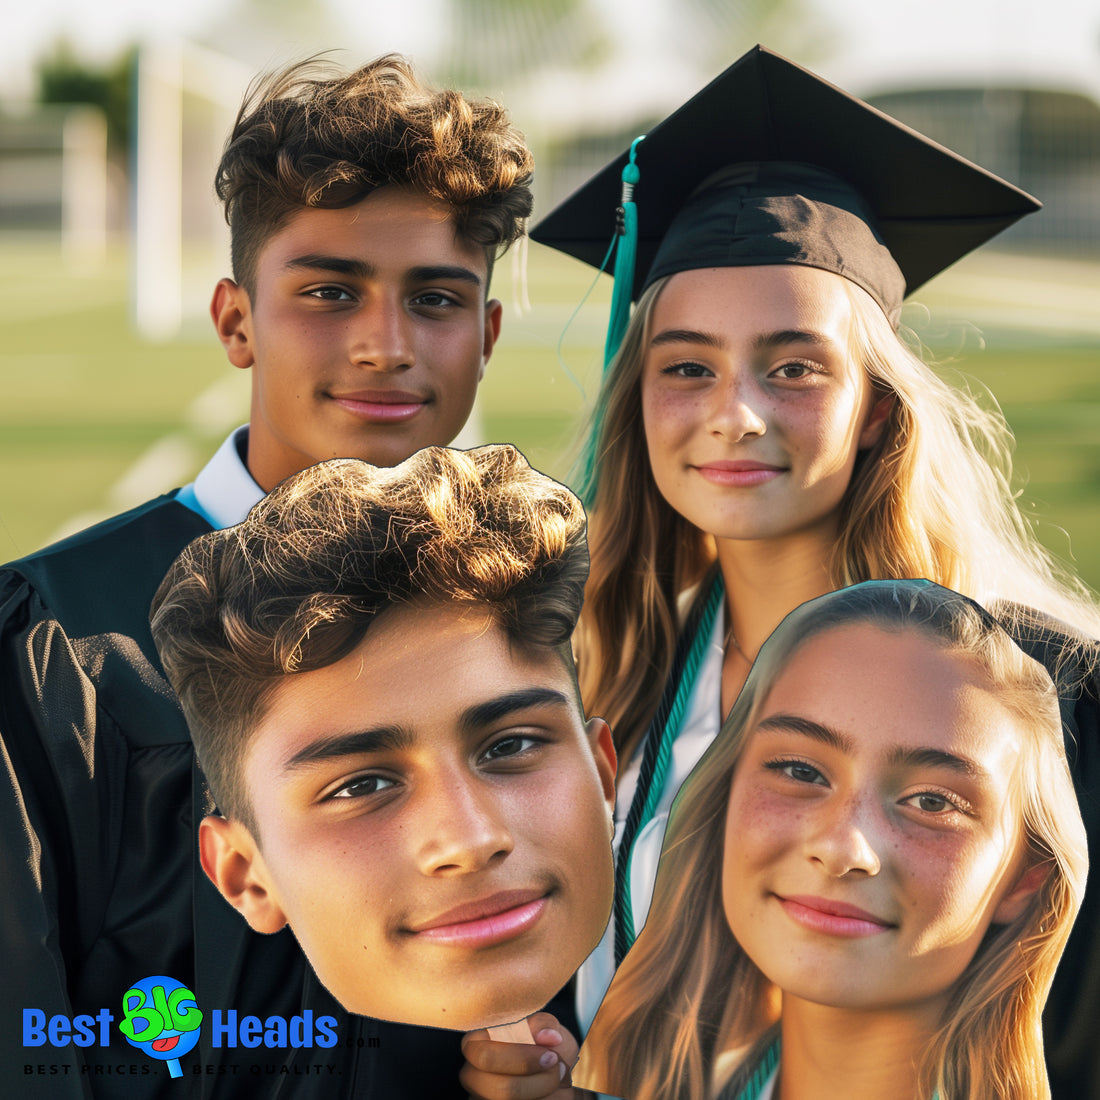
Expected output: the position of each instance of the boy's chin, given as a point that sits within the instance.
(456, 1015)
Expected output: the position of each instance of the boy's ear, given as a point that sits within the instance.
(1018, 898)
(494, 311)
(873, 427)
(231, 312)
(603, 749)
(233, 863)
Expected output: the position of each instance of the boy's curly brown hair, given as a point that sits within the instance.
(302, 139)
(297, 585)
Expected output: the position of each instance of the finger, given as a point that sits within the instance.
(498, 1086)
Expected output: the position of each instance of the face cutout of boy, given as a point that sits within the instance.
(367, 331)
(432, 820)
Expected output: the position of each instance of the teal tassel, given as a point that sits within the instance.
(625, 246)
(626, 254)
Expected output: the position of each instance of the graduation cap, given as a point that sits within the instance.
(770, 164)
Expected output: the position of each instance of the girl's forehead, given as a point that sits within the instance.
(894, 692)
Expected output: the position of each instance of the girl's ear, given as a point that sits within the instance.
(233, 863)
(1018, 898)
(875, 424)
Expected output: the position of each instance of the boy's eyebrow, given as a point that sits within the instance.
(492, 710)
(360, 269)
(430, 273)
(340, 265)
(378, 739)
(900, 757)
(390, 738)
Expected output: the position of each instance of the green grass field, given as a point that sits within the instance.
(84, 399)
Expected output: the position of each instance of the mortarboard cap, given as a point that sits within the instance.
(770, 164)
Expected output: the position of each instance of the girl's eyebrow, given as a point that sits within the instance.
(900, 757)
(793, 723)
(761, 342)
(687, 336)
(937, 758)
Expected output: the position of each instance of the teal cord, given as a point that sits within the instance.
(672, 730)
(759, 1079)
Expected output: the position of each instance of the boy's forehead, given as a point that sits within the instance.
(390, 228)
(421, 676)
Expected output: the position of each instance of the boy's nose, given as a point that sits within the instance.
(381, 335)
(844, 838)
(464, 830)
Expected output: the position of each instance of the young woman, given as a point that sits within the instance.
(869, 878)
(764, 436)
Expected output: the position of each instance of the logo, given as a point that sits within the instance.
(162, 1018)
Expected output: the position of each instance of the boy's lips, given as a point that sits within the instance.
(381, 405)
(834, 918)
(483, 923)
(738, 473)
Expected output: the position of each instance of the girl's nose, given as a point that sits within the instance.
(734, 412)
(845, 839)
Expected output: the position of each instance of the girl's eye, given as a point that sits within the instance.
(362, 786)
(508, 748)
(791, 372)
(798, 770)
(687, 370)
(932, 802)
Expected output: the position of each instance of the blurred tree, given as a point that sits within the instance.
(65, 78)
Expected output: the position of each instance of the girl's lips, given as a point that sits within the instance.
(738, 474)
(484, 924)
(834, 918)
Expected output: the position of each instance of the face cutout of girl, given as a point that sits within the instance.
(873, 830)
(877, 862)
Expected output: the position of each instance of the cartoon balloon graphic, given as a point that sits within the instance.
(162, 1018)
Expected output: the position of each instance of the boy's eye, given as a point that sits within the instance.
(510, 747)
(363, 786)
(330, 294)
(798, 770)
(434, 299)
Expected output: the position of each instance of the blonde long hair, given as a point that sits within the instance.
(932, 498)
(687, 991)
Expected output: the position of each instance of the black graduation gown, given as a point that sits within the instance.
(1073, 1009)
(100, 883)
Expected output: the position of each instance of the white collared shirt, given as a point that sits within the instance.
(224, 491)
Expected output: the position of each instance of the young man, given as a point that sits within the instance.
(400, 753)
(365, 214)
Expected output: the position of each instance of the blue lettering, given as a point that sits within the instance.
(59, 1031)
(105, 1019)
(84, 1036)
(252, 1031)
(326, 1031)
(275, 1033)
(33, 1035)
(224, 1032)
